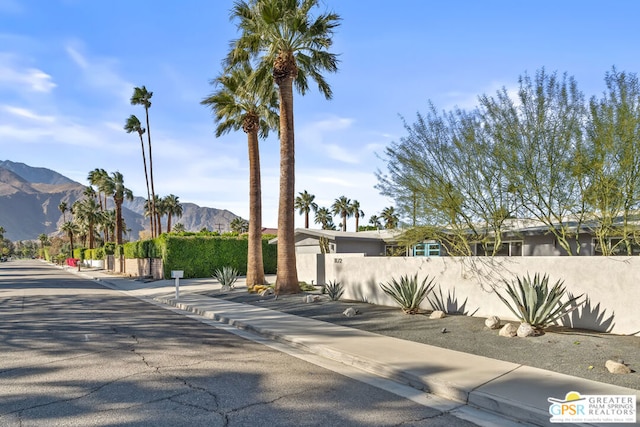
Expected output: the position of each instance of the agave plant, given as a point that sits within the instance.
(334, 289)
(407, 293)
(227, 277)
(534, 303)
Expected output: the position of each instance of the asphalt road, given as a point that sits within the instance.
(73, 353)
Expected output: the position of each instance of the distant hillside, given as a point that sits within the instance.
(30, 196)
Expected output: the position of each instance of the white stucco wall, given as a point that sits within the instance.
(612, 284)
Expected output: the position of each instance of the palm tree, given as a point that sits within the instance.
(119, 193)
(389, 217)
(71, 228)
(99, 178)
(44, 240)
(178, 228)
(133, 125)
(87, 212)
(239, 225)
(342, 206)
(304, 203)
(324, 217)
(172, 208)
(357, 212)
(141, 96)
(292, 46)
(236, 106)
(158, 205)
(374, 220)
(63, 207)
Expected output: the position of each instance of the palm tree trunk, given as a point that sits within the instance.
(146, 178)
(287, 273)
(153, 190)
(255, 263)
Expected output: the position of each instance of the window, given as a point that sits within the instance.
(507, 248)
(426, 249)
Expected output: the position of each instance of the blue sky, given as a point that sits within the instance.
(68, 68)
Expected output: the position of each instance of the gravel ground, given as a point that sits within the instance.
(579, 353)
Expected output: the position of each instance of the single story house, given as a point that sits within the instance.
(520, 238)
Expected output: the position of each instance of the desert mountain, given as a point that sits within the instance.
(30, 196)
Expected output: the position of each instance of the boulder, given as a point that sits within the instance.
(437, 314)
(492, 322)
(350, 312)
(508, 330)
(265, 292)
(310, 298)
(525, 330)
(617, 367)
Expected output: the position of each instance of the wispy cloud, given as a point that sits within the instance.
(14, 76)
(469, 101)
(27, 114)
(99, 72)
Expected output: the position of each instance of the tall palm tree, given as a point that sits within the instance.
(173, 208)
(71, 228)
(342, 206)
(141, 96)
(357, 212)
(389, 217)
(133, 125)
(304, 203)
(98, 178)
(120, 193)
(324, 217)
(236, 105)
(291, 46)
(63, 207)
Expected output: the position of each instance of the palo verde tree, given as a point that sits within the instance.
(289, 45)
(611, 160)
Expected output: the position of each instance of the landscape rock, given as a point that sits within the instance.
(437, 314)
(525, 330)
(492, 322)
(508, 330)
(350, 312)
(617, 367)
(310, 298)
(268, 291)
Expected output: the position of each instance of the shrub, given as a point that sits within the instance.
(535, 303)
(334, 289)
(227, 276)
(305, 287)
(407, 293)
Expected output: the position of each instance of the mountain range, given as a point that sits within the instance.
(30, 196)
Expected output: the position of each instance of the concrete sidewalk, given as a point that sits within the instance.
(509, 389)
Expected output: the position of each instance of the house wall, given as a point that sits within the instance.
(609, 283)
(544, 245)
(369, 248)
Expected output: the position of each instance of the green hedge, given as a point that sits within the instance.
(200, 254)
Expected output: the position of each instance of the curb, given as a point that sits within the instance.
(475, 398)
